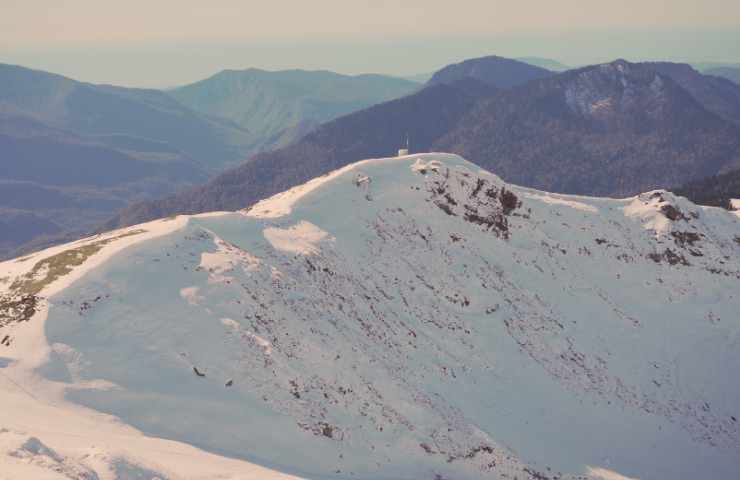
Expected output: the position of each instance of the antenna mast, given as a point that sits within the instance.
(404, 151)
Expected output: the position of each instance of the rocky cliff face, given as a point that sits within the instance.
(615, 89)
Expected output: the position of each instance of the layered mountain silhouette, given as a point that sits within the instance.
(103, 110)
(717, 94)
(547, 63)
(613, 129)
(424, 117)
(730, 73)
(73, 153)
(277, 108)
(79, 151)
(54, 182)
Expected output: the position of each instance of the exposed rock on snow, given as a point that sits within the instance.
(481, 200)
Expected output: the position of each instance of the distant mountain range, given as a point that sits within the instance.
(717, 94)
(547, 63)
(419, 77)
(54, 183)
(612, 129)
(424, 116)
(276, 108)
(730, 73)
(705, 66)
(73, 152)
(131, 115)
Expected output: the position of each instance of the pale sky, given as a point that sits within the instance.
(168, 42)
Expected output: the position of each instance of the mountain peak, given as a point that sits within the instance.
(401, 171)
(278, 107)
(619, 61)
(346, 315)
(619, 65)
(494, 70)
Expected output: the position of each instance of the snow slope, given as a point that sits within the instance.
(402, 318)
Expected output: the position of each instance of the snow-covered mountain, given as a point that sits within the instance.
(406, 318)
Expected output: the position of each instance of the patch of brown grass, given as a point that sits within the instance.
(51, 268)
(21, 301)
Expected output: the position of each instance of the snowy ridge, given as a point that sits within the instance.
(402, 318)
(94, 446)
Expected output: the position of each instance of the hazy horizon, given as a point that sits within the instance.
(171, 42)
